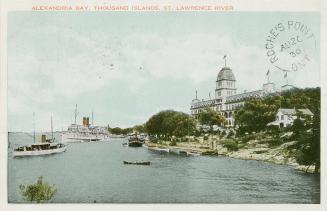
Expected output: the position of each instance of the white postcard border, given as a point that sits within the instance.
(248, 5)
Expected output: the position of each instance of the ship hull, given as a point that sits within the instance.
(38, 152)
(75, 137)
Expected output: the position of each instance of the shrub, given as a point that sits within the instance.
(210, 152)
(231, 145)
(275, 142)
(197, 133)
(272, 129)
(230, 134)
(222, 134)
(173, 143)
(247, 138)
(38, 192)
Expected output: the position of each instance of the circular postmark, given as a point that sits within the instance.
(290, 45)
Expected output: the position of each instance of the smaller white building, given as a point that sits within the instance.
(286, 116)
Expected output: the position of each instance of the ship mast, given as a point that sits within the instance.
(34, 126)
(92, 118)
(75, 113)
(51, 128)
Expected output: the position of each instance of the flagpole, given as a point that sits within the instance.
(268, 76)
(285, 76)
(225, 58)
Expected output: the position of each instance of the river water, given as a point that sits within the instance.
(89, 172)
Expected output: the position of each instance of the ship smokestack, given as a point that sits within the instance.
(43, 138)
(86, 121)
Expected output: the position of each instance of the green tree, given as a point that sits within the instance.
(255, 115)
(306, 131)
(170, 123)
(184, 125)
(38, 192)
(211, 117)
(116, 130)
(120, 131)
(154, 124)
(139, 128)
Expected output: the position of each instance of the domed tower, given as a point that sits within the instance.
(225, 84)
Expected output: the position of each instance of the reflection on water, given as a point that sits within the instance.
(95, 171)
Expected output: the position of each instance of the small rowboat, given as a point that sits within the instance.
(138, 163)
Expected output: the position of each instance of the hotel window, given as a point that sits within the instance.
(282, 117)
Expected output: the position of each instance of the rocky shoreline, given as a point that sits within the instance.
(253, 150)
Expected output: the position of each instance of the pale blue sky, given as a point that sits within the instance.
(127, 66)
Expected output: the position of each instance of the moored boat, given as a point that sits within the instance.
(86, 132)
(134, 141)
(46, 147)
(135, 144)
(39, 149)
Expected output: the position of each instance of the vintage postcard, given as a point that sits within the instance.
(175, 105)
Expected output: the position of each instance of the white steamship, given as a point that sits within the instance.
(84, 132)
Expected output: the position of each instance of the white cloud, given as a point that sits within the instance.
(87, 63)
